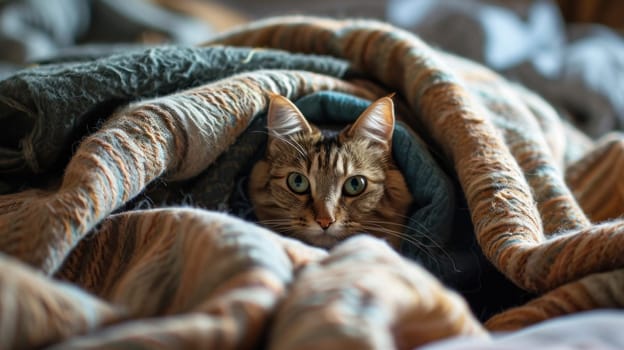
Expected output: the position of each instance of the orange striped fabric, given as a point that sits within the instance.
(183, 278)
(510, 163)
(73, 275)
(175, 136)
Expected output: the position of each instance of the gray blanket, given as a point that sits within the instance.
(50, 107)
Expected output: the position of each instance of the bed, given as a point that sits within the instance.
(125, 222)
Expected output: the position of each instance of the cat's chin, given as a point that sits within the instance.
(324, 241)
(323, 238)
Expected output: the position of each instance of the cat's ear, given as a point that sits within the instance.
(284, 118)
(376, 123)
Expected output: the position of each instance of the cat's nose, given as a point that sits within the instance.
(325, 222)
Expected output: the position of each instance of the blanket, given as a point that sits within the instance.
(84, 265)
(540, 43)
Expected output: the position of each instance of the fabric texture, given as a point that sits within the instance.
(574, 66)
(52, 106)
(223, 185)
(83, 268)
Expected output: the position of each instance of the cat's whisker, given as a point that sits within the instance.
(423, 248)
(377, 226)
(298, 148)
(287, 141)
(279, 227)
(327, 159)
(409, 238)
(287, 231)
(414, 234)
(269, 221)
(402, 226)
(420, 233)
(409, 219)
(284, 227)
(423, 232)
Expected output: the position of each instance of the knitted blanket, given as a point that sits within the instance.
(85, 266)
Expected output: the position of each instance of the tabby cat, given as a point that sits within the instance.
(321, 187)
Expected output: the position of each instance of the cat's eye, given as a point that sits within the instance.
(298, 183)
(354, 185)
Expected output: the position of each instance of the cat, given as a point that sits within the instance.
(322, 188)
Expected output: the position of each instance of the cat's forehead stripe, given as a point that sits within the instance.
(313, 165)
(328, 156)
(308, 164)
(340, 164)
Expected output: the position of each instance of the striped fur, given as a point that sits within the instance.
(186, 278)
(327, 161)
(527, 220)
(175, 136)
(149, 264)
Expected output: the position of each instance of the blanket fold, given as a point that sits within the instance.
(175, 136)
(50, 107)
(167, 124)
(500, 153)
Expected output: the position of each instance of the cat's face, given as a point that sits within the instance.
(324, 189)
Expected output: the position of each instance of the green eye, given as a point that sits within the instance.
(298, 183)
(354, 185)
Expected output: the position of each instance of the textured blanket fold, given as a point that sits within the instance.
(431, 218)
(526, 218)
(50, 107)
(80, 270)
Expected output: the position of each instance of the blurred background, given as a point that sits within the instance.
(571, 52)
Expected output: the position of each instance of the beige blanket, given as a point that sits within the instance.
(74, 275)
